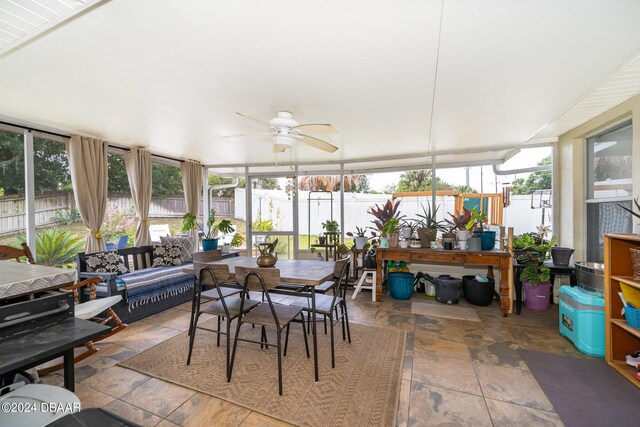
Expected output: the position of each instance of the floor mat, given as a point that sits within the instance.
(444, 310)
(585, 392)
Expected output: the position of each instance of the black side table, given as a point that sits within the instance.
(556, 270)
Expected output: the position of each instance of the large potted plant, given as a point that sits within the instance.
(383, 214)
(531, 251)
(428, 225)
(210, 239)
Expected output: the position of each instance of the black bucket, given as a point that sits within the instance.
(561, 256)
(448, 289)
(478, 293)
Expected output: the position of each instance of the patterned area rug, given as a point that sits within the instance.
(362, 390)
(443, 310)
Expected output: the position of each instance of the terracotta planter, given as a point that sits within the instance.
(394, 240)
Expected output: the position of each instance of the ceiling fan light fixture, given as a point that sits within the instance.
(284, 140)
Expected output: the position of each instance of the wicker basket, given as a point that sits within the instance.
(633, 316)
(635, 262)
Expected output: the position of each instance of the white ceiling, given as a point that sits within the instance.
(171, 75)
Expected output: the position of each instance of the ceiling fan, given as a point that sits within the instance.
(286, 131)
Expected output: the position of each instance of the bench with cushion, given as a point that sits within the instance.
(145, 289)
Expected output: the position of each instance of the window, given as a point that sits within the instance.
(12, 206)
(608, 185)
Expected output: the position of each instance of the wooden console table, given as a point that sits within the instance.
(455, 256)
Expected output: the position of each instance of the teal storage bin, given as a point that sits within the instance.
(581, 319)
(400, 284)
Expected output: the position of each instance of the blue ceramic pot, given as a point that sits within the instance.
(487, 239)
(209, 244)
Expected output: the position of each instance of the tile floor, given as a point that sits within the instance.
(455, 372)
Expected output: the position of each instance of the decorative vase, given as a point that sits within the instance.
(267, 260)
(360, 241)
(209, 244)
(561, 256)
(536, 297)
(384, 242)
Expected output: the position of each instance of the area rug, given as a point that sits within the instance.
(362, 390)
(585, 392)
(444, 310)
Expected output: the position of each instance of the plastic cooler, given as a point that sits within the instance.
(581, 320)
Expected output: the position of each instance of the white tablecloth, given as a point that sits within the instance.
(18, 278)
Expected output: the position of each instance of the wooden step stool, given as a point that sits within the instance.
(362, 283)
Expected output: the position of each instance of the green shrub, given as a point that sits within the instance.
(57, 248)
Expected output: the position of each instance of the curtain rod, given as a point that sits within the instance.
(117, 147)
(34, 129)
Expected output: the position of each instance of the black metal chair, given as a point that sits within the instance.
(269, 314)
(223, 306)
(327, 305)
(229, 286)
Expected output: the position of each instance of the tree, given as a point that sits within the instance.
(166, 181)
(118, 182)
(420, 180)
(352, 183)
(539, 180)
(51, 166)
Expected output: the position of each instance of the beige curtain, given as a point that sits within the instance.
(192, 185)
(88, 165)
(138, 164)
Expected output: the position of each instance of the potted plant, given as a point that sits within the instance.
(359, 238)
(210, 239)
(408, 228)
(487, 237)
(531, 251)
(267, 256)
(190, 225)
(428, 225)
(459, 221)
(391, 231)
(383, 214)
(331, 230)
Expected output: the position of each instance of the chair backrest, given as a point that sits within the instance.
(9, 252)
(221, 271)
(209, 278)
(261, 280)
(207, 256)
(340, 287)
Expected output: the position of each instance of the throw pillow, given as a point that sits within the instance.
(106, 262)
(166, 254)
(185, 244)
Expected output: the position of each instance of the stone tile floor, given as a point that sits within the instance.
(455, 372)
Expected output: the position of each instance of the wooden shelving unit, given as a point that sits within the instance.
(621, 338)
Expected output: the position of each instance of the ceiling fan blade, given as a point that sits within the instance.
(318, 143)
(247, 134)
(263, 122)
(316, 128)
